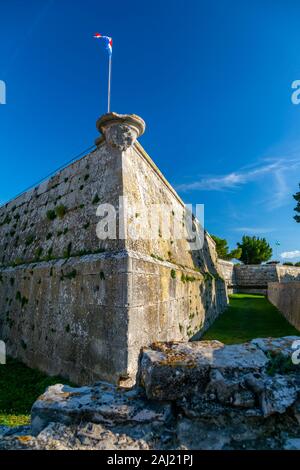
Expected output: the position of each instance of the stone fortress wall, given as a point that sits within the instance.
(75, 305)
(286, 297)
(254, 279)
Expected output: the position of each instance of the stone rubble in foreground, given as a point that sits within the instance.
(195, 395)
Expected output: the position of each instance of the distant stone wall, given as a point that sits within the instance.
(254, 279)
(75, 305)
(286, 297)
(228, 273)
(288, 273)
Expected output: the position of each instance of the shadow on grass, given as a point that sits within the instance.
(248, 317)
(20, 386)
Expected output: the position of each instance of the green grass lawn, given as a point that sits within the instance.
(20, 386)
(248, 317)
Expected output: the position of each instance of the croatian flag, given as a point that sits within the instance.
(107, 41)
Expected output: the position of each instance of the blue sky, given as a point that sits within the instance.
(211, 79)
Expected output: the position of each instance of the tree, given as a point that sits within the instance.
(297, 208)
(223, 249)
(255, 250)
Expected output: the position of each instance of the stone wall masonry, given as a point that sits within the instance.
(254, 279)
(74, 305)
(228, 273)
(286, 297)
(26, 232)
(288, 273)
(68, 317)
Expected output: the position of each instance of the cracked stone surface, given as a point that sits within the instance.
(200, 395)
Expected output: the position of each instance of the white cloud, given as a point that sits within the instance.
(290, 254)
(231, 180)
(254, 230)
(276, 168)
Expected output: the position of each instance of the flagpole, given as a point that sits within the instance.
(109, 83)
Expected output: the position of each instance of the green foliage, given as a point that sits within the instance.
(297, 264)
(38, 252)
(70, 275)
(297, 208)
(51, 215)
(7, 220)
(20, 386)
(173, 274)
(279, 364)
(288, 263)
(29, 240)
(67, 252)
(18, 261)
(49, 254)
(22, 299)
(223, 249)
(208, 276)
(60, 211)
(159, 258)
(186, 278)
(96, 199)
(255, 250)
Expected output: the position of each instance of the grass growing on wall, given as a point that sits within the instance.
(20, 386)
(248, 317)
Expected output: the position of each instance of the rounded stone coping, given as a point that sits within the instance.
(131, 120)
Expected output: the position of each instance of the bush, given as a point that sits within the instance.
(29, 240)
(51, 215)
(61, 211)
(67, 252)
(288, 263)
(38, 252)
(96, 199)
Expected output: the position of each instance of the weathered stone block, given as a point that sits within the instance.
(102, 403)
(172, 370)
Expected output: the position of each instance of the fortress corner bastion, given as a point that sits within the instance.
(81, 306)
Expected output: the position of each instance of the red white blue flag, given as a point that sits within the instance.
(107, 41)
